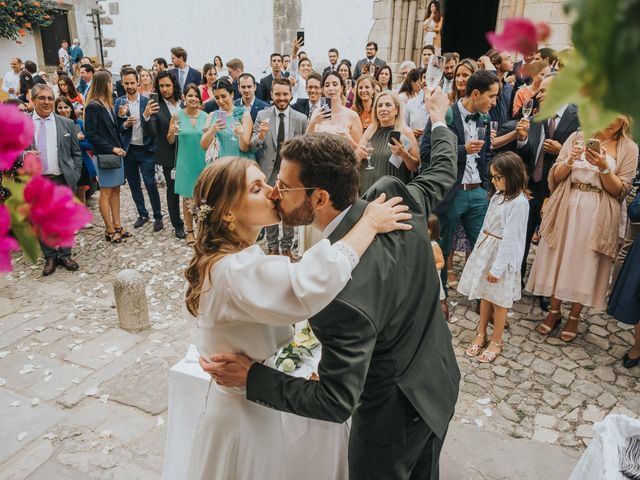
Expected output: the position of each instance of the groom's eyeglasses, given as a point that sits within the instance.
(279, 189)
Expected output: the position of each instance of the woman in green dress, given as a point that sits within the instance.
(387, 156)
(231, 126)
(186, 127)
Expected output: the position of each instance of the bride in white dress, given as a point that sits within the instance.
(245, 302)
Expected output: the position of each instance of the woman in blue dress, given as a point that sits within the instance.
(65, 108)
(624, 302)
(230, 125)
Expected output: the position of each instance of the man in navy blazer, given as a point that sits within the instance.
(182, 71)
(139, 147)
(264, 88)
(467, 201)
(247, 83)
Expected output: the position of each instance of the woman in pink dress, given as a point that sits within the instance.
(581, 223)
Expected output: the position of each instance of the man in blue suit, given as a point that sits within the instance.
(247, 83)
(182, 71)
(467, 201)
(139, 147)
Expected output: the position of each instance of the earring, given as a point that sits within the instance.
(231, 226)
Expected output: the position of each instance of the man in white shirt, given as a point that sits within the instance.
(11, 79)
(64, 59)
(56, 144)
(140, 149)
(273, 126)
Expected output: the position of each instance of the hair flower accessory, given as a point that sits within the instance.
(202, 211)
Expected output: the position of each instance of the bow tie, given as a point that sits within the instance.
(473, 116)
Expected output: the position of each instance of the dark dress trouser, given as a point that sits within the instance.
(173, 200)
(417, 459)
(51, 252)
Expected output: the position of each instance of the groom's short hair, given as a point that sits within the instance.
(328, 162)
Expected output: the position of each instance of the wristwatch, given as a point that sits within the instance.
(606, 171)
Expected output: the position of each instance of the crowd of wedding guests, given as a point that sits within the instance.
(522, 180)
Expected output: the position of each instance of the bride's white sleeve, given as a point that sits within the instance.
(272, 290)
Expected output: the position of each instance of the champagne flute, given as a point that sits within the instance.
(481, 132)
(527, 108)
(235, 125)
(434, 71)
(369, 150)
(494, 126)
(578, 141)
(176, 121)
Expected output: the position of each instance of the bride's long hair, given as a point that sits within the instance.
(220, 187)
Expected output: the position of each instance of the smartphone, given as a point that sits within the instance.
(300, 36)
(222, 116)
(153, 97)
(326, 101)
(593, 144)
(394, 134)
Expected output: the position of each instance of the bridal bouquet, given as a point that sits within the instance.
(291, 356)
(32, 208)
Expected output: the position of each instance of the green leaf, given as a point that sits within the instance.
(26, 237)
(564, 88)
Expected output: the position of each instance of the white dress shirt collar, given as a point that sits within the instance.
(333, 224)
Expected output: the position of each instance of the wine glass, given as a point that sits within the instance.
(481, 132)
(434, 72)
(369, 150)
(235, 127)
(494, 126)
(578, 141)
(176, 121)
(527, 108)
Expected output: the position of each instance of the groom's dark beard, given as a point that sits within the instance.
(303, 215)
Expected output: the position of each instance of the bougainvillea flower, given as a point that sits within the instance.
(31, 165)
(7, 243)
(53, 212)
(544, 31)
(518, 34)
(17, 133)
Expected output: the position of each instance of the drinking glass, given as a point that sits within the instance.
(481, 132)
(176, 120)
(527, 108)
(494, 126)
(234, 127)
(369, 149)
(434, 72)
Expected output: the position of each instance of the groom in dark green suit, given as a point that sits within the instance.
(387, 358)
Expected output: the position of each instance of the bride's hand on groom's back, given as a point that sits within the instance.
(387, 216)
(227, 369)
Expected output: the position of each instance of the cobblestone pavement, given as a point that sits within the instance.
(82, 399)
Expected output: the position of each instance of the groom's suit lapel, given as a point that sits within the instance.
(350, 219)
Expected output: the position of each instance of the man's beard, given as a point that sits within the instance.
(131, 91)
(449, 78)
(302, 215)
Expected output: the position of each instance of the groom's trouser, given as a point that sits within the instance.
(417, 459)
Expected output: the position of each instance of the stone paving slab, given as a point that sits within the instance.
(23, 423)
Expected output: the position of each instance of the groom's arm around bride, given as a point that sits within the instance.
(387, 359)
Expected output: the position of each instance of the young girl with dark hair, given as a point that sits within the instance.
(492, 273)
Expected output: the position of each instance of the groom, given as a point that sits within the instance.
(387, 359)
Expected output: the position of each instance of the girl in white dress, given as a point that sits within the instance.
(434, 234)
(492, 272)
(245, 302)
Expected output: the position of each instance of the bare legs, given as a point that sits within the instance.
(188, 220)
(109, 204)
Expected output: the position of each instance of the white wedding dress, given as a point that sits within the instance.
(248, 307)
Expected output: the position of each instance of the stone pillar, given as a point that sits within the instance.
(395, 35)
(287, 16)
(403, 54)
(131, 300)
(411, 25)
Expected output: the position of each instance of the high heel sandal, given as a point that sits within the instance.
(566, 336)
(487, 356)
(112, 237)
(192, 242)
(545, 330)
(474, 349)
(123, 233)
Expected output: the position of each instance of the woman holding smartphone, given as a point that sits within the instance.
(231, 126)
(388, 146)
(186, 127)
(580, 229)
(334, 117)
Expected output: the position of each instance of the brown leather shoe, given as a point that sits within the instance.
(69, 264)
(273, 252)
(50, 265)
(289, 253)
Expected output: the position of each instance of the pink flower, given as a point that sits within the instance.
(31, 165)
(17, 133)
(519, 34)
(54, 213)
(7, 243)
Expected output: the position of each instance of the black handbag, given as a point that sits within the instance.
(109, 161)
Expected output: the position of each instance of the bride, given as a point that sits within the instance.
(245, 302)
